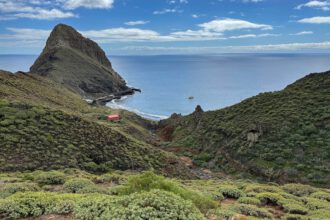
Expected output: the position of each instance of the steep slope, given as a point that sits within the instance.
(78, 63)
(279, 136)
(45, 126)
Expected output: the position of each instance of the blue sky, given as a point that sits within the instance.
(125, 27)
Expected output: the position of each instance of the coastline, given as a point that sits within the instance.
(115, 105)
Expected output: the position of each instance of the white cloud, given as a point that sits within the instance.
(26, 33)
(315, 20)
(121, 34)
(321, 5)
(303, 33)
(228, 24)
(190, 35)
(253, 36)
(178, 1)
(222, 49)
(252, 1)
(167, 10)
(140, 22)
(43, 14)
(73, 4)
(27, 9)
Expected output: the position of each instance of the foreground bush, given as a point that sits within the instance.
(155, 204)
(231, 192)
(269, 198)
(249, 200)
(321, 195)
(298, 189)
(36, 204)
(148, 181)
(252, 210)
(50, 178)
(76, 185)
(12, 188)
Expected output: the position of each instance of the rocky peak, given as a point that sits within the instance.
(78, 63)
(66, 36)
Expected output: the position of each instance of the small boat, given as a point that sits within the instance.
(191, 97)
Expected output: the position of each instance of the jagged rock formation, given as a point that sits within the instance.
(78, 63)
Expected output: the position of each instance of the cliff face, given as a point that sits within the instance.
(78, 63)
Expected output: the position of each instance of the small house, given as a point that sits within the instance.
(114, 117)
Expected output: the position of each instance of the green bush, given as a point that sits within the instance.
(93, 189)
(314, 204)
(295, 208)
(322, 214)
(249, 200)
(294, 217)
(269, 198)
(155, 204)
(262, 188)
(36, 204)
(223, 213)
(321, 195)
(231, 192)
(111, 178)
(50, 178)
(298, 189)
(76, 185)
(148, 181)
(252, 210)
(11, 188)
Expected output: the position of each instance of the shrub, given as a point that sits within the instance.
(111, 178)
(93, 189)
(321, 195)
(76, 185)
(319, 214)
(249, 200)
(223, 213)
(295, 208)
(11, 188)
(50, 178)
(155, 204)
(298, 189)
(294, 217)
(262, 188)
(314, 204)
(252, 210)
(231, 192)
(269, 198)
(148, 181)
(35, 204)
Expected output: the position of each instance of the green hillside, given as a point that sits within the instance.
(277, 136)
(44, 126)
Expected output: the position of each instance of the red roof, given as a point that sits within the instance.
(113, 117)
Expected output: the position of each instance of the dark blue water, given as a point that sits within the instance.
(215, 81)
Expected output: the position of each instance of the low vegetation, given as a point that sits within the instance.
(125, 195)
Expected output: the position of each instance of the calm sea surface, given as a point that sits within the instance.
(215, 81)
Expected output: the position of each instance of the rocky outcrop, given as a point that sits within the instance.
(79, 64)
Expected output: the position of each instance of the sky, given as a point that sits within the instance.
(146, 27)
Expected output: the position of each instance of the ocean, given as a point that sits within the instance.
(212, 81)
